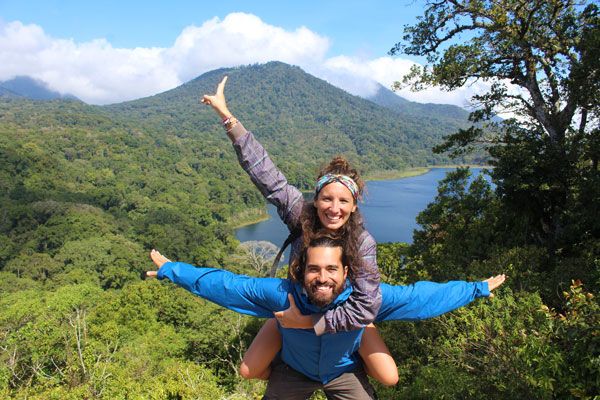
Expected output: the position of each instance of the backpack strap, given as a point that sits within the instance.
(291, 237)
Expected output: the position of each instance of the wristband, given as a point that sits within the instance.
(229, 123)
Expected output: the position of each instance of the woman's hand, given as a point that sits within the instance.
(293, 318)
(494, 282)
(217, 101)
(158, 260)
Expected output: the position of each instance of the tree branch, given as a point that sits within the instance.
(539, 110)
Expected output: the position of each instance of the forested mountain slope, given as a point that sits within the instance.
(443, 113)
(288, 108)
(86, 191)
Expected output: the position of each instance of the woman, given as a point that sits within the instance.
(334, 208)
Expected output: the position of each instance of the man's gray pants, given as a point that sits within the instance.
(287, 383)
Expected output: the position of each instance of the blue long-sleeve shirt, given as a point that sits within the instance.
(320, 358)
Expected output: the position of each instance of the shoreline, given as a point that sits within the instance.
(409, 173)
(462, 166)
(263, 216)
(391, 175)
(375, 176)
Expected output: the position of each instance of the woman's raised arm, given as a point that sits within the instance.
(254, 159)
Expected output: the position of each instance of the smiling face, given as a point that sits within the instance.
(334, 205)
(324, 275)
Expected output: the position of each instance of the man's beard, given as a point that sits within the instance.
(321, 300)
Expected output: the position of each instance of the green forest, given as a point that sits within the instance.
(86, 191)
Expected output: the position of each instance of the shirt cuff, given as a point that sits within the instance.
(237, 132)
(319, 323)
(483, 289)
(164, 269)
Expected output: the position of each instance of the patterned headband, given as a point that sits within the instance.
(343, 179)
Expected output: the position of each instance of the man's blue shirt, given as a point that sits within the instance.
(320, 358)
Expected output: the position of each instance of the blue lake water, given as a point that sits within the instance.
(389, 209)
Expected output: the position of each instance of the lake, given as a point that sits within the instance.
(389, 209)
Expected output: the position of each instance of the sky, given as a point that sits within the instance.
(112, 51)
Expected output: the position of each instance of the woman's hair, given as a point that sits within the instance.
(340, 166)
(323, 238)
(351, 230)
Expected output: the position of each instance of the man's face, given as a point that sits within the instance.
(324, 276)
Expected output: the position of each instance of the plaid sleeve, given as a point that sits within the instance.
(268, 179)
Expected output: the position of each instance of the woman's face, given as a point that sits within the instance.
(334, 205)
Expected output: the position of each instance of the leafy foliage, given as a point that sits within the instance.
(513, 346)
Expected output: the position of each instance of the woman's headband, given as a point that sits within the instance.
(343, 179)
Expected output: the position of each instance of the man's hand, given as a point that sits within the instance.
(293, 318)
(494, 282)
(158, 259)
(217, 101)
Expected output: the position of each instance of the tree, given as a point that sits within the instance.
(458, 228)
(540, 59)
(37, 266)
(258, 255)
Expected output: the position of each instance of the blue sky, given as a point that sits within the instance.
(111, 51)
(353, 26)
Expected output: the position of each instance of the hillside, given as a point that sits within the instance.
(443, 113)
(29, 88)
(288, 108)
(9, 94)
(87, 191)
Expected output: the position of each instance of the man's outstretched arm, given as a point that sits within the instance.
(424, 300)
(258, 297)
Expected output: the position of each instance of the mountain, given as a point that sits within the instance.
(29, 88)
(295, 113)
(9, 94)
(443, 112)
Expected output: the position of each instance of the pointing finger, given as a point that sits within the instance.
(221, 85)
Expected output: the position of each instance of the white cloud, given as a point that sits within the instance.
(241, 39)
(360, 77)
(94, 71)
(99, 73)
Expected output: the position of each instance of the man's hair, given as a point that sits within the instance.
(323, 238)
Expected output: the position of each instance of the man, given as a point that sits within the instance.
(330, 361)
